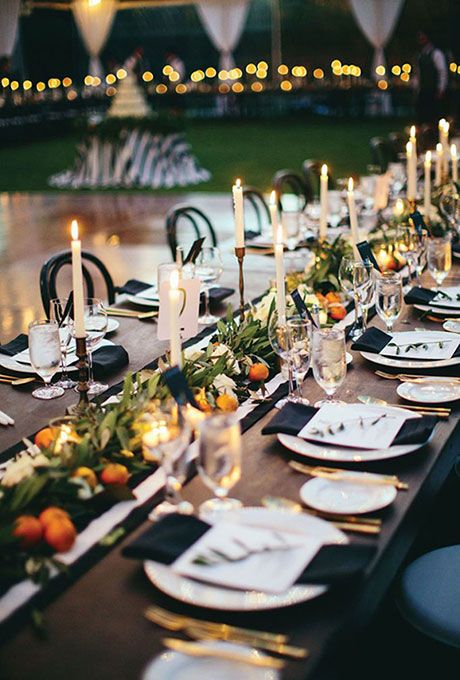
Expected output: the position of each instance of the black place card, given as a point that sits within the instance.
(194, 251)
(302, 308)
(366, 253)
(179, 387)
(418, 222)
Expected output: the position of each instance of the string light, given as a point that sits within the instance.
(147, 77)
(382, 84)
(110, 79)
(380, 70)
(121, 73)
(161, 89)
(318, 73)
(283, 70)
(396, 70)
(286, 85)
(211, 72)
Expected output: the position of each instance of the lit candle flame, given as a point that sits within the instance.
(412, 131)
(350, 184)
(74, 230)
(428, 157)
(399, 207)
(324, 170)
(174, 280)
(439, 148)
(273, 198)
(238, 183)
(409, 148)
(441, 123)
(453, 151)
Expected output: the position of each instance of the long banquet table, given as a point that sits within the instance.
(96, 628)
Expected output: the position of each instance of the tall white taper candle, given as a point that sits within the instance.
(174, 318)
(353, 218)
(280, 283)
(77, 282)
(427, 185)
(411, 174)
(439, 163)
(454, 161)
(237, 190)
(323, 202)
(273, 207)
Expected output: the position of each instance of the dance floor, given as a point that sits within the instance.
(126, 232)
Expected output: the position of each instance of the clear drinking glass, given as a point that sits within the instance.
(290, 221)
(95, 319)
(389, 298)
(299, 353)
(208, 268)
(422, 241)
(279, 336)
(166, 438)
(357, 281)
(439, 258)
(219, 461)
(329, 362)
(57, 307)
(407, 245)
(45, 356)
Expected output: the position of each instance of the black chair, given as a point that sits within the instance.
(257, 207)
(397, 141)
(381, 152)
(191, 217)
(50, 270)
(295, 183)
(311, 171)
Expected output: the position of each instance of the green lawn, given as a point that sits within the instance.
(253, 150)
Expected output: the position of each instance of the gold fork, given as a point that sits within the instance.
(203, 633)
(338, 474)
(179, 621)
(416, 378)
(194, 649)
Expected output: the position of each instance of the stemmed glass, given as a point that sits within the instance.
(166, 438)
(291, 341)
(357, 281)
(422, 240)
(290, 221)
(329, 362)
(45, 356)
(439, 258)
(57, 309)
(95, 319)
(407, 243)
(208, 268)
(219, 462)
(389, 298)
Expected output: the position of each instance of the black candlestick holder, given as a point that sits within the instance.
(240, 253)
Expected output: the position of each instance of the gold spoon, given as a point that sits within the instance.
(17, 381)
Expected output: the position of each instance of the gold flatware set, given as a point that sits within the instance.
(15, 381)
(130, 314)
(338, 474)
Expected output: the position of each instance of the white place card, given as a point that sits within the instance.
(448, 297)
(432, 345)
(190, 294)
(355, 425)
(266, 560)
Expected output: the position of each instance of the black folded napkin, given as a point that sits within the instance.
(456, 247)
(419, 296)
(171, 536)
(19, 344)
(374, 340)
(293, 417)
(109, 359)
(134, 287)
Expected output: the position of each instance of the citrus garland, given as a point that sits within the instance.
(76, 469)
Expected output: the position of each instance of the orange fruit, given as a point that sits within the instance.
(258, 372)
(337, 312)
(50, 514)
(28, 529)
(45, 437)
(227, 403)
(87, 474)
(333, 297)
(203, 404)
(114, 473)
(60, 534)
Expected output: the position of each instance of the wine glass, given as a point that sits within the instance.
(219, 462)
(389, 298)
(57, 309)
(299, 353)
(95, 320)
(166, 438)
(407, 244)
(45, 356)
(278, 336)
(290, 221)
(329, 362)
(422, 241)
(439, 258)
(208, 268)
(357, 281)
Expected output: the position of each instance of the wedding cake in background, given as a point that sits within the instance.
(129, 102)
(132, 147)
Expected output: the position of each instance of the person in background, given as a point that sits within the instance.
(432, 81)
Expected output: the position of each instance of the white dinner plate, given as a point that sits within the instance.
(349, 358)
(112, 326)
(143, 302)
(436, 391)
(176, 666)
(440, 311)
(342, 497)
(381, 360)
(10, 364)
(227, 599)
(452, 326)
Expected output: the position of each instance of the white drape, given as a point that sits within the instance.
(94, 20)
(9, 16)
(377, 20)
(224, 22)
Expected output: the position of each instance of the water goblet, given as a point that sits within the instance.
(389, 298)
(95, 320)
(45, 356)
(299, 353)
(422, 241)
(57, 311)
(279, 338)
(439, 258)
(357, 282)
(407, 245)
(329, 362)
(219, 462)
(208, 268)
(166, 437)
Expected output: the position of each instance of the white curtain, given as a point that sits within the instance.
(377, 20)
(9, 17)
(224, 22)
(94, 19)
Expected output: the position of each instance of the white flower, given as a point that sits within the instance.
(22, 467)
(224, 384)
(192, 354)
(263, 307)
(219, 350)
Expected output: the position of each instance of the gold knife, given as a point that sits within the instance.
(195, 649)
(202, 633)
(338, 475)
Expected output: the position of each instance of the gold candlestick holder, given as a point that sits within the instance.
(240, 253)
(83, 374)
